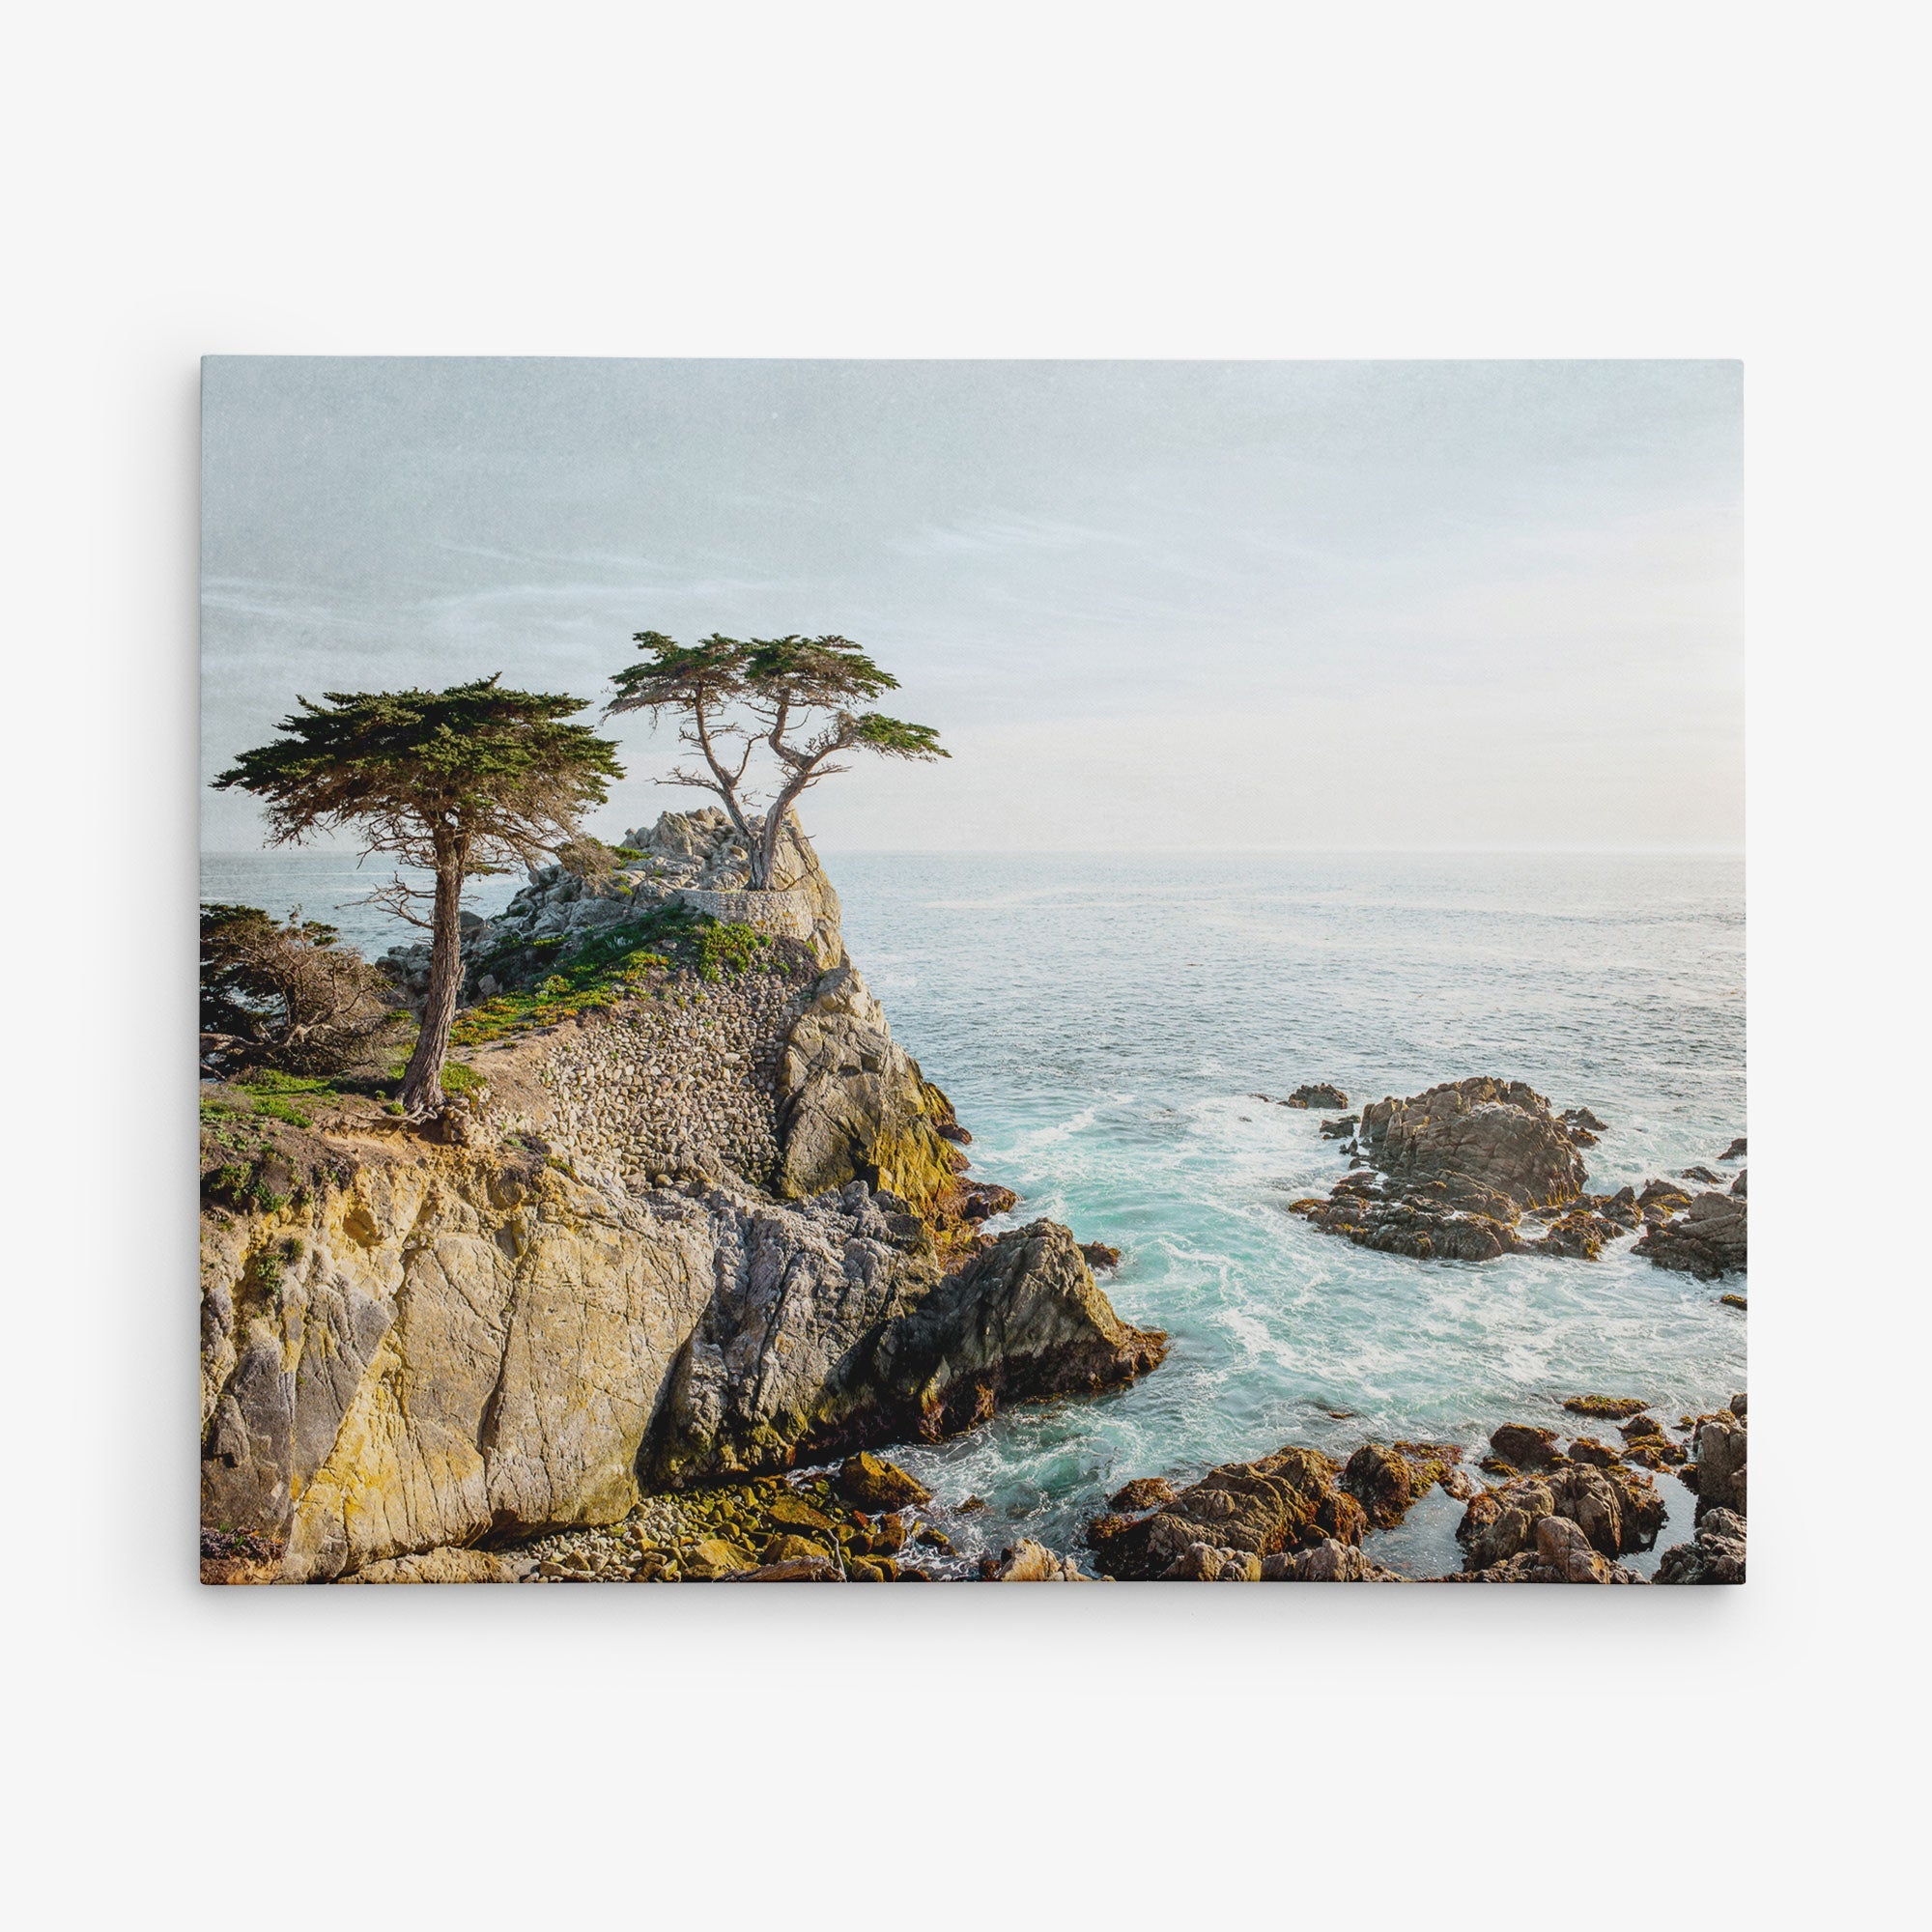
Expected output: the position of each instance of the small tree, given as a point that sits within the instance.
(284, 994)
(799, 690)
(458, 783)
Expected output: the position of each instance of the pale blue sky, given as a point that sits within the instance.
(1192, 605)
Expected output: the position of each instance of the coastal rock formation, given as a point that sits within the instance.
(1032, 1562)
(1717, 1556)
(1320, 1095)
(1482, 1137)
(1458, 1167)
(1615, 1509)
(1326, 1562)
(437, 1344)
(587, 1277)
(853, 1104)
(1559, 1551)
(812, 1345)
(1285, 1502)
(1613, 1407)
(1387, 1480)
(684, 851)
(1723, 1442)
(1710, 1238)
(1522, 1447)
(874, 1484)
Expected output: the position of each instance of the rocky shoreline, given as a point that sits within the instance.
(695, 1237)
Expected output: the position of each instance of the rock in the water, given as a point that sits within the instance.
(1741, 1186)
(1142, 1493)
(1736, 1150)
(874, 1484)
(1700, 1174)
(1664, 1195)
(1710, 1238)
(1460, 1164)
(1491, 1137)
(1641, 1425)
(1528, 1448)
(1285, 1502)
(1339, 1130)
(1098, 1254)
(1718, 1556)
(1612, 1407)
(1320, 1095)
(1021, 1320)
(1380, 1480)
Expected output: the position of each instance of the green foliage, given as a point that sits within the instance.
(272, 1080)
(457, 1078)
(727, 947)
(618, 962)
(283, 1110)
(893, 738)
(780, 683)
(492, 767)
(459, 781)
(283, 993)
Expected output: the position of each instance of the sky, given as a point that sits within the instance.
(1318, 605)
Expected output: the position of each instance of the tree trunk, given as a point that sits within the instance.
(422, 1083)
(764, 855)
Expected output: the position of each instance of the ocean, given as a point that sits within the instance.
(1103, 1023)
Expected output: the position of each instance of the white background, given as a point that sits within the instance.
(1676, 179)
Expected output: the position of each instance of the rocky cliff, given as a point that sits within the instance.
(692, 1223)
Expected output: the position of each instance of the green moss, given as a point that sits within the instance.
(618, 962)
(457, 1078)
(268, 1081)
(283, 1110)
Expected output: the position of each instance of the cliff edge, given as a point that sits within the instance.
(692, 1213)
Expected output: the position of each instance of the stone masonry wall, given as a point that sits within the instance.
(788, 912)
(677, 1086)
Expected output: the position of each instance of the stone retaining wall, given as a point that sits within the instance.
(785, 911)
(682, 1085)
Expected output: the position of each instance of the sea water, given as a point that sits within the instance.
(1103, 1024)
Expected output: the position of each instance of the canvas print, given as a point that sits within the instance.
(972, 972)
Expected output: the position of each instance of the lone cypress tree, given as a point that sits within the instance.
(457, 782)
(786, 683)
